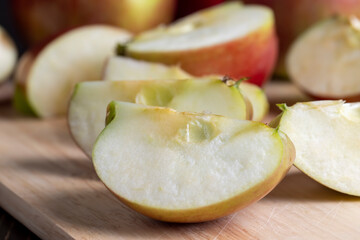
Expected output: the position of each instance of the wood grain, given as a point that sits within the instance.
(49, 185)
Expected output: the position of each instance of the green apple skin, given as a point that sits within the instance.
(209, 212)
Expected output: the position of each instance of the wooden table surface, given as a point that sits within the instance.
(49, 185)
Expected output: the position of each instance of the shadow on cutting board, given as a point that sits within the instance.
(99, 212)
(73, 168)
(297, 186)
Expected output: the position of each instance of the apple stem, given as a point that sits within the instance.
(121, 49)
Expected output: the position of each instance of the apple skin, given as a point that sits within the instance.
(32, 16)
(253, 56)
(295, 16)
(185, 7)
(224, 208)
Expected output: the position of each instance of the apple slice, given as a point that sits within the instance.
(257, 98)
(187, 167)
(8, 54)
(228, 39)
(87, 107)
(324, 61)
(122, 68)
(75, 56)
(326, 138)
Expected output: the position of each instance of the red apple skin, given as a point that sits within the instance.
(295, 16)
(39, 19)
(185, 7)
(253, 56)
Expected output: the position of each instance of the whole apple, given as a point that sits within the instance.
(295, 16)
(39, 19)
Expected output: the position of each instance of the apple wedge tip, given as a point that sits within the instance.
(326, 138)
(188, 167)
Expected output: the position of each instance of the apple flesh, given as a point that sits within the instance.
(32, 16)
(324, 61)
(87, 107)
(8, 54)
(228, 39)
(187, 167)
(295, 16)
(326, 138)
(47, 81)
(122, 68)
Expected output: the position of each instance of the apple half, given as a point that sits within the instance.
(187, 167)
(124, 68)
(8, 54)
(324, 61)
(326, 137)
(86, 116)
(51, 73)
(228, 39)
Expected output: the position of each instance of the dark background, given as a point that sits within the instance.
(7, 22)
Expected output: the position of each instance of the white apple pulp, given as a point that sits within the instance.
(164, 160)
(324, 61)
(73, 57)
(327, 141)
(206, 28)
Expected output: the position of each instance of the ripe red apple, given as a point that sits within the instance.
(295, 16)
(228, 39)
(185, 7)
(39, 19)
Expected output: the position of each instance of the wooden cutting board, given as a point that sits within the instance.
(49, 185)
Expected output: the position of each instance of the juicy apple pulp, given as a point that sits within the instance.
(293, 17)
(187, 167)
(324, 61)
(122, 68)
(326, 138)
(87, 107)
(47, 81)
(32, 16)
(228, 39)
(8, 54)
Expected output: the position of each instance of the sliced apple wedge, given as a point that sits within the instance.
(228, 39)
(324, 61)
(187, 167)
(122, 68)
(326, 137)
(87, 107)
(8, 54)
(75, 56)
(257, 98)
